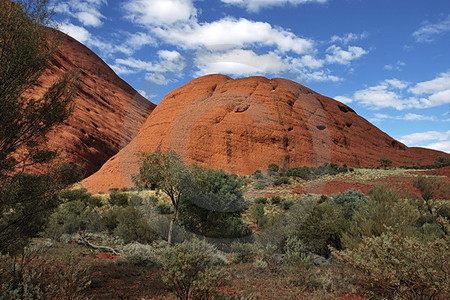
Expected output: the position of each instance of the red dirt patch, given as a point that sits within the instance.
(106, 256)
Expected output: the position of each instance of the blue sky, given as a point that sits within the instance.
(387, 59)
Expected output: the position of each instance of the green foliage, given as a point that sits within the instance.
(442, 161)
(385, 162)
(349, 201)
(37, 275)
(300, 172)
(72, 217)
(25, 50)
(164, 208)
(286, 204)
(214, 206)
(311, 173)
(167, 173)
(400, 267)
(428, 186)
(272, 169)
(192, 269)
(243, 252)
(258, 174)
(141, 254)
(129, 224)
(321, 228)
(383, 209)
(276, 200)
(281, 180)
(136, 200)
(260, 200)
(26, 203)
(258, 213)
(118, 198)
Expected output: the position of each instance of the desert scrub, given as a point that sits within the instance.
(192, 269)
(37, 274)
(399, 267)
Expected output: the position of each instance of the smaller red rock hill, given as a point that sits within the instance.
(107, 111)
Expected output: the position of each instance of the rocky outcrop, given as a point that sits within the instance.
(107, 111)
(241, 125)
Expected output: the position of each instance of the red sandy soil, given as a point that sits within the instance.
(107, 111)
(241, 125)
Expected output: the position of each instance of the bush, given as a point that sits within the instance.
(383, 209)
(301, 172)
(257, 212)
(402, 267)
(136, 200)
(164, 208)
(276, 200)
(260, 185)
(36, 275)
(349, 201)
(258, 174)
(192, 269)
(286, 204)
(118, 198)
(141, 255)
(281, 180)
(272, 169)
(243, 252)
(261, 200)
(132, 226)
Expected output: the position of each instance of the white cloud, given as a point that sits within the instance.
(393, 93)
(170, 65)
(87, 12)
(407, 117)
(343, 99)
(321, 75)
(439, 84)
(398, 66)
(77, 32)
(441, 146)
(421, 137)
(240, 63)
(256, 5)
(429, 31)
(159, 12)
(344, 57)
(230, 33)
(348, 37)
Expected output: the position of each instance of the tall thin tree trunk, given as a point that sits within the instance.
(172, 222)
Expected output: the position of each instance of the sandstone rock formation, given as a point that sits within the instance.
(107, 111)
(241, 125)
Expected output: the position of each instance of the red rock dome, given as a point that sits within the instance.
(241, 125)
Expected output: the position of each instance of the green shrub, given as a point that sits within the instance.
(301, 172)
(281, 180)
(258, 174)
(257, 212)
(164, 208)
(400, 267)
(261, 200)
(383, 209)
(136, 200)
(276, 200)
(141, 255)
(273, 169)
(118, 198)
(243, 252)
(349, 201)
(260, 185)
(286, 204)
(72, 217)
(192, 269)
(36, 275)
(132, 226)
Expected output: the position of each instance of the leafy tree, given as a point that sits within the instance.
(272, 169)
(167, 173)
(25, 119)
(442, 161)
(349, 201)
(214, 205)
